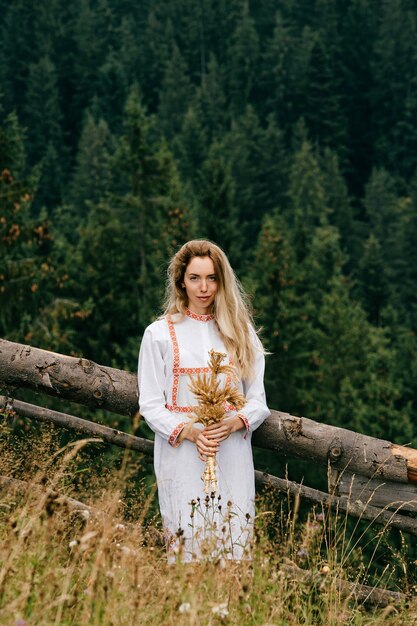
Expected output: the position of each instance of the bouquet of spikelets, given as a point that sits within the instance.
(212, 400)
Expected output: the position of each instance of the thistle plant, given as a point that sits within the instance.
(214, 399)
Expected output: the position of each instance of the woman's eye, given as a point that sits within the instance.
(212, 279)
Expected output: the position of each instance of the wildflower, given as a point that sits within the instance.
(120, 527)
(325, 569)
(185, 607)
(320, 517)
(302, 553)
(21, 622)
(72, 543)
(85, 514)
(220, 610)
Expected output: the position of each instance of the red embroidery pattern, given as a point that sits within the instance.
(245, 421)
(179, 409)
(199, 318)
(194, 370)
(178, 371)
(174, 435)
(176, 367)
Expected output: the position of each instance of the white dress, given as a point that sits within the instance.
(197, 526)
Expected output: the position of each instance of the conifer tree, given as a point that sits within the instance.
(323, 112)
(278, 72)
(112, 90)
(190, 146)
(128, 239)
(175, 95)
(42, 111)
(217, 210)
(338, 200)
(92, 176)
(212, 101)
(259, 168)
(272, 281)
(23, 242)
(244, 61)
(307, 200)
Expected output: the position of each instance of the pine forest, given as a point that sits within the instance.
(283, 130)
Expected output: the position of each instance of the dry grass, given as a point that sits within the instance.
(59, 567)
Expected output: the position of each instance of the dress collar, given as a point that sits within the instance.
(199, 318)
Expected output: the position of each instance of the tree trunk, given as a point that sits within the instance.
(364, 594)
(70, 378)
(97, 386)
(108, 434)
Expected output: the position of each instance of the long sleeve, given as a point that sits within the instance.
(255, 410)
(152, 398)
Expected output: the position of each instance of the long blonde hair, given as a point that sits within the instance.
(231, 308)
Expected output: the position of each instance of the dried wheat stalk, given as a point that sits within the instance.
(213, 398)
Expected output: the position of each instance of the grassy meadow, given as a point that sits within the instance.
(107, 566)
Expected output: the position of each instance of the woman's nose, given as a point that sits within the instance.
(203, 285)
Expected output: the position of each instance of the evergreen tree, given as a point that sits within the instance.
(259, 169)
(244, 61)
(272, 281)
(394, 96)
(94, 36)
(112, 91)
(323, 109)
(93, 175)
(191, 146)
(42, 111)
(217, 210)
(175, 95)
(155, 50)
(212, 100)
(128, 240)
(338, 200)
(25, 275)
(277, 79)
(373, 285)
(307, 200)
(383, 251)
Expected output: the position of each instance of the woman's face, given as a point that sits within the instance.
(200, 282)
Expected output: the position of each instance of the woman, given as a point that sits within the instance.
(205, 310)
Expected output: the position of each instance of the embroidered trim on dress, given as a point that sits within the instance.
(173, 438)
(245, 421)
(177, 370)
(199, 318)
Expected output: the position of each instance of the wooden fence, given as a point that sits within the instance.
(370, 478)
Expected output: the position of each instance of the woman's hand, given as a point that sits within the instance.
(222, 430)
(205, 447)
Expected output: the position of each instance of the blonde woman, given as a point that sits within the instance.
(205, 309)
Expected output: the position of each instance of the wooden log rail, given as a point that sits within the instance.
(353, 507)
(82, 381)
